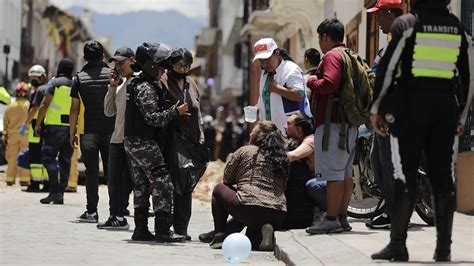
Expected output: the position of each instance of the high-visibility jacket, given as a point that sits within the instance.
(60, 106)
(4, 96)
(435, 54)
(428, 50)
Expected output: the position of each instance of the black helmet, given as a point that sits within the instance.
(149, 57)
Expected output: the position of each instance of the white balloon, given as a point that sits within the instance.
(236, 247)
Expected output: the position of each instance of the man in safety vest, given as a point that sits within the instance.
(15, 115)
(37, 75)
(421, 91)
(54, 112)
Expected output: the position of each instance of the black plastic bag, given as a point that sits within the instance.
(187, 162)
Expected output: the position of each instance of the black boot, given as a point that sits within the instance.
(141, 232)
(232, 226)
(444, 205)
(403, 202)
(33, 187)
(55, 198)
(162, 229)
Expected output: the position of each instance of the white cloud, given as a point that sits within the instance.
(192, 8)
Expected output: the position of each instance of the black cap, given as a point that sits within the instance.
(122, 53)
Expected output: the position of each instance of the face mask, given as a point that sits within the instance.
(35, 83)
(177, 75)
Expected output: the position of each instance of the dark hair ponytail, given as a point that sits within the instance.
(285, 55)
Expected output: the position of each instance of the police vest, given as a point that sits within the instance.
(436, 50)
(135, 125)
(60, 106)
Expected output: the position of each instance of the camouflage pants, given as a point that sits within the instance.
(150, 173)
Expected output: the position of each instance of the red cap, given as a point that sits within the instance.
(386, 4)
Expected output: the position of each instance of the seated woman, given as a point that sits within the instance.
(253, 190)
(300, 204)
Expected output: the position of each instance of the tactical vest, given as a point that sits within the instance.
(93, 80)
(60, 106)
(135, 125)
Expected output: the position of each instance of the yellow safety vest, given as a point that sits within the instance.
(5, 96)
(59, 108)
(435, 55)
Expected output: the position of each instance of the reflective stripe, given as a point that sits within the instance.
(454, 44)
(396, 160)
(432, 73)
(55, 106)
(435, 53)
(442, 36)
(435, 65)
(38, 172)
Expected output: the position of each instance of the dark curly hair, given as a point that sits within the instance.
(271, 144)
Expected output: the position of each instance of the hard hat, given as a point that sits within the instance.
(37, 71)
(21, 88)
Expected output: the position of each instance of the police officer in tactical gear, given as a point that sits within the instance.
(426, 71)
(145, 120)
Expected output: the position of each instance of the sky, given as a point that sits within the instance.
(191, 8)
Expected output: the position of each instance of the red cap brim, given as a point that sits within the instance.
(372, 10)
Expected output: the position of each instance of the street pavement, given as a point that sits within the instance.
(32, 233)
(295, 247)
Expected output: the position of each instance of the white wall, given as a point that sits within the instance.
(10, 32)
(230, 76)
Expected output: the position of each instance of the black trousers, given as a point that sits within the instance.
(182, 212)
(91, 146)
(429, 125)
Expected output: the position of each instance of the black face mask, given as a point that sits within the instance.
(35, 83)
(177, 75)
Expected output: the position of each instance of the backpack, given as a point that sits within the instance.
(354, 96)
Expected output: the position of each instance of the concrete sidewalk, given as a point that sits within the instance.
(295, 247)
(32, 233)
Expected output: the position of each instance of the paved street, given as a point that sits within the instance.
(31, 233)
(297, 248)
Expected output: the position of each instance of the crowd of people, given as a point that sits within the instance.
(295, 171)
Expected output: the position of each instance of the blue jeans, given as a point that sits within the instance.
(317, 191)
(56, 144)
(119, 180)
(91, 145)
(381, 160)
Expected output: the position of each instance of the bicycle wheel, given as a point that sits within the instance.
(424, 200)
(366, 196)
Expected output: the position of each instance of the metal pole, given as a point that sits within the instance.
(7, 85)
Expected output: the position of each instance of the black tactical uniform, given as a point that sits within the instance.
(422, 88)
